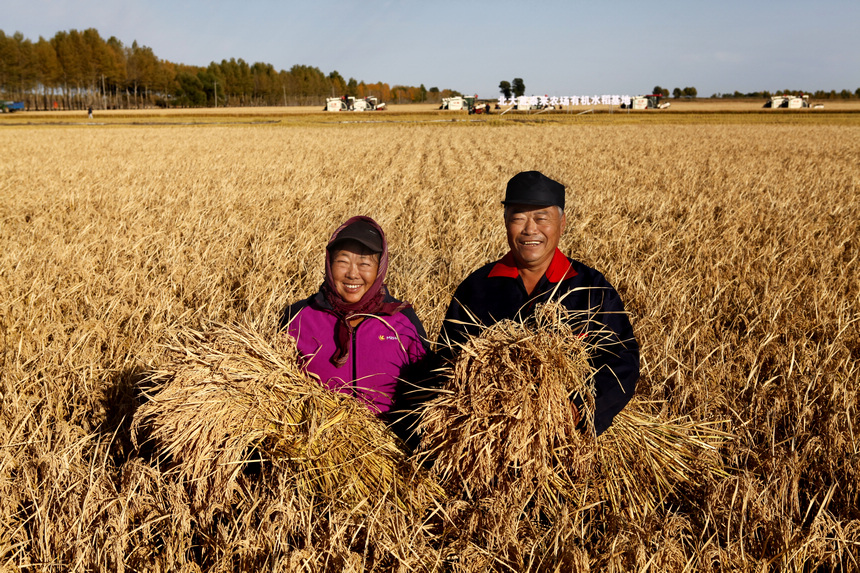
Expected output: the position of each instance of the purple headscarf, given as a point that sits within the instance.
(372, 302)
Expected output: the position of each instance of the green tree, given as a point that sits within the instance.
(690, 92)
(266, 87)
(307, 85)
(676, 93)
(518, 87)
(212, 86)
(189, 91)
(352, 87)
(505, 88)
(660, 91)
(338, 84)
(433, 95)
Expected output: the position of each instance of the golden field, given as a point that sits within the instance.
(734, 241)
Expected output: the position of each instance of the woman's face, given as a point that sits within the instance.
(353, 269)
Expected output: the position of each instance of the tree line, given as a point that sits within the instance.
(691, 92)
(78, 69)
(817, 94)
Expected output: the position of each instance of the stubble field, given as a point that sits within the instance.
(736, 248)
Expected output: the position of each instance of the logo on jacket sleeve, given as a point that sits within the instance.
(383, 337)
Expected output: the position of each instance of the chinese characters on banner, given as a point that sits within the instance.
(529, 102)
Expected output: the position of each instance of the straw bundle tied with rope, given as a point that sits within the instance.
(504, 434)
(230, 395)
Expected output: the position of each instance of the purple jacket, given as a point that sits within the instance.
(382, 351)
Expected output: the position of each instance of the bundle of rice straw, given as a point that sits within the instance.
(230, 394)
(506, 407)
(502, 431)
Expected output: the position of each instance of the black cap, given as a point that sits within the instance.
(534, 188)
(361, 232)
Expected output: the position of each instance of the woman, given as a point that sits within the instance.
(353, 334)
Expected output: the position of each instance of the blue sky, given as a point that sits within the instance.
(558, 48)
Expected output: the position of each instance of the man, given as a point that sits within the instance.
(536, 271)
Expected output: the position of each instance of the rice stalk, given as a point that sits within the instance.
(645, 459)
(504, 439)
(229, 395)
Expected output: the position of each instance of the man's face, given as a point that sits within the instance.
(533, 234)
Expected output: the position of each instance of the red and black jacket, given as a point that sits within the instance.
(496, 292)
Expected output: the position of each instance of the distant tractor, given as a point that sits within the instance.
(368, 104)
(651, 101)
(337, 104)
(453, 103)
(788, 102)
(11, 106)
(458, 103)
(349, 103)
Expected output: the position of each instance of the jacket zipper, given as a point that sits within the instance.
(354, 361)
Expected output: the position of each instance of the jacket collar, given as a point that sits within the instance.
(559, 268)
(319, 300)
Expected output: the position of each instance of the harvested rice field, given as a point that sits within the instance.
(127, 245)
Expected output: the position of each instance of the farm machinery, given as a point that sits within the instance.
(651, 101)
(788, 102)
(350, 103)
(11, 106)
(457, 103)
(453, 103)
